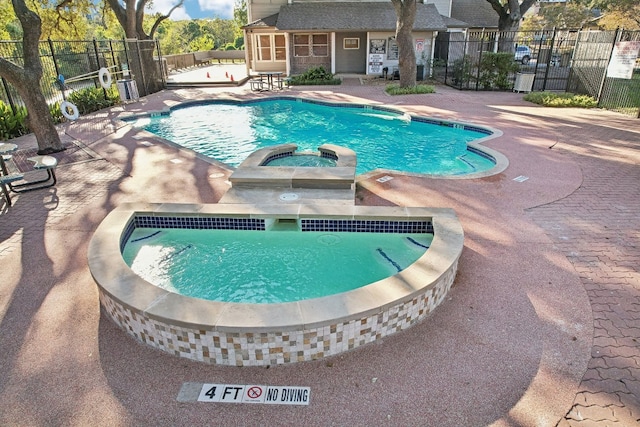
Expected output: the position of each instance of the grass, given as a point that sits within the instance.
(552, 99)
(395, 89)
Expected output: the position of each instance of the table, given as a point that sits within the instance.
(269, 75)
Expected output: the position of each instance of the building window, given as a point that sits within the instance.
(311, 45)
(271, 47)
(351, 43)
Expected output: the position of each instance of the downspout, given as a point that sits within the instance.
(333, 52)
(433, 51)
(288, 53)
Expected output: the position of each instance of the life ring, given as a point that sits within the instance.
(64, 108)
(105, 78)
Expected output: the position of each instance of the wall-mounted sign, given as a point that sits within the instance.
(375, 63)
(392, 54)
(377, 46)
(419, 46)
(351, 43)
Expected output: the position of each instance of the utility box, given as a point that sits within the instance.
(128, 90)
(524, 82)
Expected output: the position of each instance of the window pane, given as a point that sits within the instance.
(281, 54)
(264, 41)
(301, 39)
(320, 39)
(265, 54)
(279, 40)
(301, 50)
(320, 50)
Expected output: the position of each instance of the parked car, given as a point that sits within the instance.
(523, 54)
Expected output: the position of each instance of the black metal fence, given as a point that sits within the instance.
(560, 60)
(78, 62)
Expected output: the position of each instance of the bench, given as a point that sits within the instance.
(200, 58)
(208, 56)
(229, 55)
(41, 163)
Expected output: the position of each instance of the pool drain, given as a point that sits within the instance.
(288, 197)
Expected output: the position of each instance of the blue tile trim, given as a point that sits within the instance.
(207, 223)
(365, 226)
(276, 156)
(481, 153)
(128, 230)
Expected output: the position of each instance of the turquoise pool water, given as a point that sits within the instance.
(248, 266)
(230, 131)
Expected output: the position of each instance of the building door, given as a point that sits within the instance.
(351, 53)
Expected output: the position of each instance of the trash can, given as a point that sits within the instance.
(524, 82)
(128, 90)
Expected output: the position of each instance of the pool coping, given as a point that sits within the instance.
(114, 277)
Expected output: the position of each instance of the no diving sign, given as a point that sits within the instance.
(270, 395)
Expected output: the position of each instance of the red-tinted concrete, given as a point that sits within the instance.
(539, 329)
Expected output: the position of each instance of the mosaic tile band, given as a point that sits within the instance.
(275, 348)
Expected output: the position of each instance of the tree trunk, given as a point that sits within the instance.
(406, 14)
(26, 80)
(39, 118)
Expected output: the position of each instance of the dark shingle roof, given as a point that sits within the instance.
(477, 13)
(454, 23)
(269, 21)
(375, 16)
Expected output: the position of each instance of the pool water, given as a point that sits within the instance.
(229, 132)
(248, 266)
(304, 160)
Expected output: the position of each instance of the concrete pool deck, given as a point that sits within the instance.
(540, 328)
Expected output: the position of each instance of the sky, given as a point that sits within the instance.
(196, 9)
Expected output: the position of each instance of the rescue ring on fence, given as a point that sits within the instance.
(105, 78)
(65, 106)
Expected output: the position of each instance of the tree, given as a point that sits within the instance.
(628, 9)
(510, 12)
(558, 15)
(130, 15)
(406, 16)
(26, 80)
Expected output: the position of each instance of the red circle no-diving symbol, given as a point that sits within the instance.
(254, 392)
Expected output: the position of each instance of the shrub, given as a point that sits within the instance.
(552, 99)
(495, 69)
(315, 76)
(12, 124)
(461, 69)
(395, 89)
(92, 99)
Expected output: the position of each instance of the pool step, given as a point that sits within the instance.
(294, 177)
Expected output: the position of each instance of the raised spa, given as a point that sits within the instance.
(254, 334)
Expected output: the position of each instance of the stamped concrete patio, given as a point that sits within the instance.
(540, 329)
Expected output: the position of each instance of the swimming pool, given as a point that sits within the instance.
(383, 138)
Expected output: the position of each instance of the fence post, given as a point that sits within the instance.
(95, 48)
(53, 57)
(604, 73)
(113, 57)
(142, 71)
(9, 98)
(546, 71)
(55, 66)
